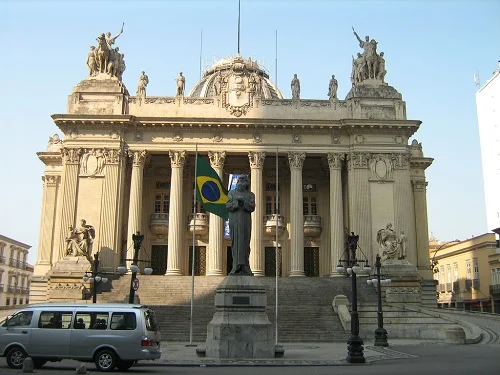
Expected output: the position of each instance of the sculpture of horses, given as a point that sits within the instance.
(102, 54)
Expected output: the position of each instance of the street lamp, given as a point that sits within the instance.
(380, 332)
(354, 343)
(134, 268)
(95, 277)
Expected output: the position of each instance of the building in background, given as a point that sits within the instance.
(467, 273)
(15, 272)
(488, 118)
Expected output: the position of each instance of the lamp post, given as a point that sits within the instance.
(354, 343)
(380, 332)
(134, 268)
(95, 278)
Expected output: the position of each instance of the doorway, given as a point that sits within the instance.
(159, 254)
(311, 261)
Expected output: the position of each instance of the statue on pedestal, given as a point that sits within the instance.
(79, 240)
(181, 84)
(332, 88)
(369, 65)
(295, 85)
(241, 203)
(392, 245)
(143, 83)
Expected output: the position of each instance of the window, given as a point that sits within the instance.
(123, 321)
(199, 207)
(455, 271)
(468, 273)
(448, 274)
(55, 319)
(20, 319)
(271, 205)
(476, 269)
(162, 201)
(495, 276)
(441, 275)
(91, 320)
(7, 301)
(309, 205)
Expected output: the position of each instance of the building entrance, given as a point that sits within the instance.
(199, 260)
(270, 267)
(311, 261)
(159, 255)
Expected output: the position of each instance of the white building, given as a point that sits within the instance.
(488, 118)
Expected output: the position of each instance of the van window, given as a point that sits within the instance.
(149, 317)
(55, 319)
(22, 318)
(123, 320)
(91, 320)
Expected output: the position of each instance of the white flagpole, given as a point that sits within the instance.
(276, 250)
(195, 209)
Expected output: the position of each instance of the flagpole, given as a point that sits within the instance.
(276, 250)
(195, 209)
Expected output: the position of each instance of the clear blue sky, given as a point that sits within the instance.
(432, 50)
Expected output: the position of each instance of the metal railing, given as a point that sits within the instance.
(495, 290)
(475, 284)
(468, 284)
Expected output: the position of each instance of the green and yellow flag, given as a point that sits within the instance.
(209, 189)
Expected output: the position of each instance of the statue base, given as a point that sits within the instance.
(65, 282)
(405, 285)
(240, 327)
(373, 88)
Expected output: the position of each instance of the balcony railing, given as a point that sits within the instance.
(456, 287)
(13, 262)
(2, 259)
(312, 226)
(448, 287)
(495, 290)
(158, 224)
(441, 288)
(11, 289)
(1, 287)
(475, 284)
(198, 224)
(468, 284)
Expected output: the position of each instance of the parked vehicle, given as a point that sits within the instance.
(111, 335)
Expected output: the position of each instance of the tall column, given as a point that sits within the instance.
(216, 228)
(296, 161)
(359, 200)
(404, 212)
(135, 205)
(421, 227)
(175, 227)
(336, 211)
(69, 187)
(257, 254)
(109, 246)
(46, 241)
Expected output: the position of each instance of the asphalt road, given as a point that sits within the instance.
(428, 359)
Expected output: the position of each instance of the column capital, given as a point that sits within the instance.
(217, 158)
(112, 155)
(296, 159)
(51, 181)
(138, 157)
(335, 160)
(71, 155)
(401, 160)
(419, 185)
(256, 159)
(177, 158)
(358, 160)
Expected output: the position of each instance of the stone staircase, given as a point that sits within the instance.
(305, 311)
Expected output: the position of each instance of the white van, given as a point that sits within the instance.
(111, 335)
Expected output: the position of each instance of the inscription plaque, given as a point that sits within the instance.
(238, 300)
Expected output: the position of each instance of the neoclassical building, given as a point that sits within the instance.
(125, 163)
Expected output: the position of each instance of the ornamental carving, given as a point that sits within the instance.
(217, 137)
(217, 158)
(335, 160)
(71, 155)
(296, 138)
(257, 138)
(112, 155)
(296, 159)
(256, 159)
(419, 185)
(358, 160)
(335, 138)
(381, 167)
(178, 137)
(177, 158)
(401, 160)
(92, 163)
(138, 157)
(51, 181)
(403, 290)
(238, 87)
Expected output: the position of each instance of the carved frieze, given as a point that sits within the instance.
(296, 159)
(71, 155)
(381, 167)
(256, 159)
(358, 160)
(178, 137)
(138, 157)
(257, 138)
(335, 160)
(403, 290)
(217, 137)
(217, 158)
(177, 158)
(92, 162)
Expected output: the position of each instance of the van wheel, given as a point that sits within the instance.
(125, 365)
(39, 362)
(15, 357)
(105, 360)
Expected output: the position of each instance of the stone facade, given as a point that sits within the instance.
(126, 164)
(15, 272)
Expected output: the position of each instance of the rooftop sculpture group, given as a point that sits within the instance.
(106, 59)
(369, 64)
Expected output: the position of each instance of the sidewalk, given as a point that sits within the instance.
(296, 354)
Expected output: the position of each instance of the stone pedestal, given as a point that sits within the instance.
(65, 279)
(405, 281)
(240, 327)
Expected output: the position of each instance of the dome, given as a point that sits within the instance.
(246, 67)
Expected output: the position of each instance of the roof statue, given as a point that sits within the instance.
(105, 59)
(369, 64)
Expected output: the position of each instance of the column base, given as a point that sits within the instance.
(297, 274)
(336, 274)
(215, 273)
(173, 273)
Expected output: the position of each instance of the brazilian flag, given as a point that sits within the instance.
(209, 189)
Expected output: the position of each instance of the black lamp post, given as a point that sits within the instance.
(95, 277)
(137, 238)
(354, 343)
(380, 332)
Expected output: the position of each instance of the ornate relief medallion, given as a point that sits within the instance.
(236, 90)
